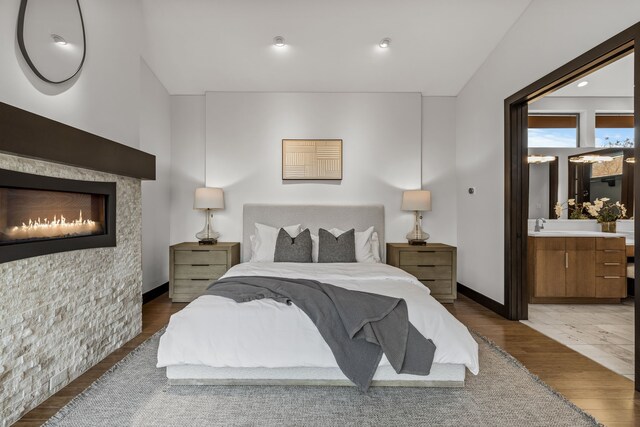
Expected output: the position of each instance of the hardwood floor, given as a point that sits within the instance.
(609, 397)
(601, 392)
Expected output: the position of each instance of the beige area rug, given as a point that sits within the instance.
(135, 393)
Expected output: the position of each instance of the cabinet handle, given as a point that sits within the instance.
(426, 252)
(611, 277)
(428, 280)
(199, 265)
(426, 265)
(566, 260)
(611, 263)
(203, 279)
(610, 251)
(199, 250)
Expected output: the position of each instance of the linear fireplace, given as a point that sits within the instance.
(42, 215)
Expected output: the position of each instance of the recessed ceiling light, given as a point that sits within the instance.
(384, 43)
(278, 41)
(58, 39)
(583, 83)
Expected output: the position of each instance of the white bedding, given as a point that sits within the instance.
(218, 332)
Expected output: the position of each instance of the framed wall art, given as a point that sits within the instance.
(311, 159)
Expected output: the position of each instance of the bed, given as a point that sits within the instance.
(216, 341)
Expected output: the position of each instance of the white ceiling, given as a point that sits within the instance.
(616, 79)
(195, 46)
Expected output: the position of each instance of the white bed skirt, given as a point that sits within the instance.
(442, 375)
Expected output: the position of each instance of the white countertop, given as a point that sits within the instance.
(577, 233)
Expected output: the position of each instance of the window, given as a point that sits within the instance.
(614, 130)
(553, 130)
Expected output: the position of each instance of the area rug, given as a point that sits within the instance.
(135, 393)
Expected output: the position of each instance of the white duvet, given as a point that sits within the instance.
(218, 332)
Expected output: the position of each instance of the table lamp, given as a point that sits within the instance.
(417, 201)
(208, 199)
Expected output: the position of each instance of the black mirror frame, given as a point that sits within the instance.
(23, 49)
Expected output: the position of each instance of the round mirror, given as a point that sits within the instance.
(51, 38)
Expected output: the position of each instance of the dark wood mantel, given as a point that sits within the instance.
(26, 134)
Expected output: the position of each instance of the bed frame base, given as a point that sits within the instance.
(326, 383)
(442, 375)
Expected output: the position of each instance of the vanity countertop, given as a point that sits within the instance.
(577, 233)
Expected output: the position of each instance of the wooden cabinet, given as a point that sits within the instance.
(550, 267)
(577, 269)
(580, 267)
(611, 268)
(193, 267)
(434, 265)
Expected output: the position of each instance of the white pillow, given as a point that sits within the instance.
(375, 247)
(263, 244)
(364, 250)
(315, 247)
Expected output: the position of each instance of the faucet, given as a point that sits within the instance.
(539, 224)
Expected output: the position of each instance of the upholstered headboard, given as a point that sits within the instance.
(312, 217)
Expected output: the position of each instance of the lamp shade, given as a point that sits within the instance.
(208, 198)
(416, 200)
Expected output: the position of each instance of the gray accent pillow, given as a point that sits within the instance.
(336, 249)
(293, 249)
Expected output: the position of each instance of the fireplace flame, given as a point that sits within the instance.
(58, 227)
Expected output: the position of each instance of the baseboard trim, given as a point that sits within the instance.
(155, 293)
(483, 300)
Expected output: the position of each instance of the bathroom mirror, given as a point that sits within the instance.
(51, 38)
(603, 173)
(543, 185)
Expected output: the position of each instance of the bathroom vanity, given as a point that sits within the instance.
(577, 267)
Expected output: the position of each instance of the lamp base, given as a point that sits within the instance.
(208, 236)
(208, 242)
(417, 242)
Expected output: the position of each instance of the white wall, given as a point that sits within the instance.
(188, 158)
(546, 36)
(155, 138)
(438, 167)
(187, 165)
(104, 98)
(114, 96)
(381, 150)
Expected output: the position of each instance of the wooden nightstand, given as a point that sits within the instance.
(192, 267)
(434, 265)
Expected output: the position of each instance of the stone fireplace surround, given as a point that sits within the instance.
(62, 313)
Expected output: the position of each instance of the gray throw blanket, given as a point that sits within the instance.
(357, 326)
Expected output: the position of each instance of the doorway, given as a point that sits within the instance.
(517, 292)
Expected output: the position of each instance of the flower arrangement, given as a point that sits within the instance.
(577, 211)
(601, 209)
(604, 211)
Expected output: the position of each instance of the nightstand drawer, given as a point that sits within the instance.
(191, 286)
(438, 287)
(186, 271)
(434, 265)
(193, 267)
(430, 272)
(425, 258)
(201, 257)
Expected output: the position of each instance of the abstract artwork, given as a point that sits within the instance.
(312, 159)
